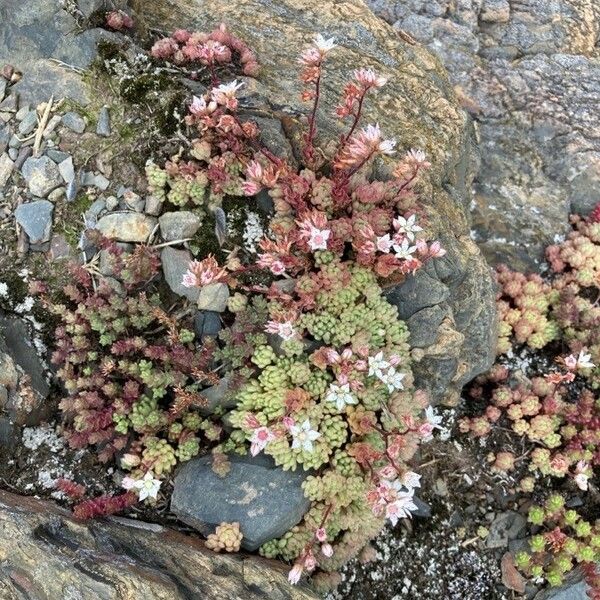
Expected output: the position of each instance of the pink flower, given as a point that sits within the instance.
(318, 238)
(204, 272)
(362, 145)
(384, 243)
(295, 574)
(310, 562)
(225, 94)
(368, 78)
(321, 534)
(436, 250)
(288, 422)
(277, 267)
(284, 330)
(260, 438)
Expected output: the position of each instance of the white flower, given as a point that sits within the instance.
(260, 438)
(581, 479)
(418, 157)
(340, 395)
(324, 45)
(229, 89)
(401, 507)
(407, 226)
(284, 330)
(3, 289)
(411, 480)
(295, 574)
(387, 146)
(581, 475)
(393, 379)
(147, 487)
(377, 364)
(433, 419)
(318, 238)
(404, 250)
(304, 436)
(583, 360)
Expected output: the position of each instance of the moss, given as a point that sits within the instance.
(71, 218)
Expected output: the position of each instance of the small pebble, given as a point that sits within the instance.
(29, 123)
(56, 195)
(74, 122)
(22, 112)
(111, 203)
(13, 153)
(14, 142)
(67, 170)
(51, 126)
(103, 126)
(57, 156)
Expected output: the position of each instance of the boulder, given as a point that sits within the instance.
(45, 553)
(417, 106)
(529, 73)
(265, 500)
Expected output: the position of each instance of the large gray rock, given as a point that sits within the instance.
(529, 73)
(46, 553)
(265, 500)
(174, 264)
(36, 31)
(42, 175)
(36, 220)
(20, 363)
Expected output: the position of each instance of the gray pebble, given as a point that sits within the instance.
(57, 156)
(29, 123)
(103, 126)
(74, 122)
(22, 112)
(67, 170)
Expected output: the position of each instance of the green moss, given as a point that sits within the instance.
(71, 218)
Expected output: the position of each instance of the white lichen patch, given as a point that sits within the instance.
(253, 231)
(35, 437)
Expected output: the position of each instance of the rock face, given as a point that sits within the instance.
(529, 73)
(34, 33)
(418, 108)
(46, 554)
(265, 500)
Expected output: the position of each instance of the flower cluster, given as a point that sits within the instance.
(557, 412)
(209, 50)
(132, 374)
(332, 390)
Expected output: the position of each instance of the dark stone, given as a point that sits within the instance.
(9, 434)
(218, 396)
(174, 264)
(103, 125)
(57, 155)
(207, 323)
(423, 326)
(36, 220)
(265, 500)
(74, 122)
(419, 291)
(423, 509)
(506, 526)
